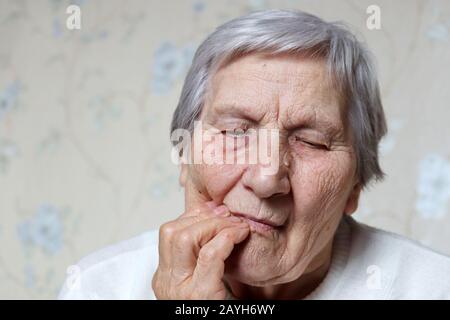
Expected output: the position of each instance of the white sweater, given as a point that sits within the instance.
(367, 263)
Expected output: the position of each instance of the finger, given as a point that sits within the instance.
(189, 241)
(170, 229)
(191, 218)
(197, 216)
(211, 259)
(205, 208)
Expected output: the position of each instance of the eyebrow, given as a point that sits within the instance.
(330, 129)
(238, 110)
(311, 121)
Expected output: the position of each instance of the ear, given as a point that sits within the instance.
(183, 174)
(352, 201)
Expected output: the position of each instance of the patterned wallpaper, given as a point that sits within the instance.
(84, 121)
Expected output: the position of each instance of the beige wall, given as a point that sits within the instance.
(84, 120)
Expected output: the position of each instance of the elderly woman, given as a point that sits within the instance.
(247, 233)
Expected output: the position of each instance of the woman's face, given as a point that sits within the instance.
(300, 204)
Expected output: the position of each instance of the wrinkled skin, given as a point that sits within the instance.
(315, 184)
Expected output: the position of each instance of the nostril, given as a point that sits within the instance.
(265, 186)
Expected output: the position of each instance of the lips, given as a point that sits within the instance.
(258, 224)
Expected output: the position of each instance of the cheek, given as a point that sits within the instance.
(320, 185)
(218, 180)
(215, 177)
(322, 181)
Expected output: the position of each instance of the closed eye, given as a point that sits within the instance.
(236, 132)
(312, 144)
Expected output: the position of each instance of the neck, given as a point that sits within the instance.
(297, 289)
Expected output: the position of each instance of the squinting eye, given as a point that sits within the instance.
(236, 132)
(311, 144)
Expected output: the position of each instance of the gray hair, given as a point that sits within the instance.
(281, 31)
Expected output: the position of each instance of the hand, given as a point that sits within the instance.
(192, 253)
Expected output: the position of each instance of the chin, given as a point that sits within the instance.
(257, 262)
(254, 263)
(249, 277)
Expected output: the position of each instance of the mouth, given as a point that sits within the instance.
(258, 225)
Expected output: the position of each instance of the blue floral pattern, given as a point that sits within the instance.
(43, 230)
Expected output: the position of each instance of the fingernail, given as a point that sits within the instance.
(235, 219)
(244, 230)
(220, 210)
(211, 204)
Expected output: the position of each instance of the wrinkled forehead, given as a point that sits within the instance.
(285, 86)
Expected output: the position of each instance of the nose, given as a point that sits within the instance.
(266, 185)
